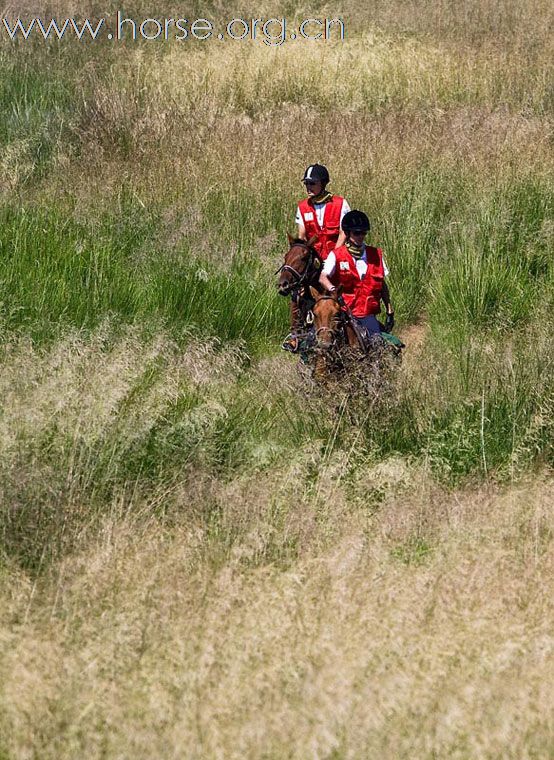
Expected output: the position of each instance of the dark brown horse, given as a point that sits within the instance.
(298, 274)
(301, 268)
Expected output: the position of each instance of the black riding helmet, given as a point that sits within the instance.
(316, 173)
(355, 221)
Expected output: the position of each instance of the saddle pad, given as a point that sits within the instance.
(393, 340)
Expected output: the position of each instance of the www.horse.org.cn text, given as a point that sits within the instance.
(123, 28)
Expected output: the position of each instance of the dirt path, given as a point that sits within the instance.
(414, 337)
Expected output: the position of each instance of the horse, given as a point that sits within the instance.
(333, 329)
(298, 275)
(301, 268)
(343, 348)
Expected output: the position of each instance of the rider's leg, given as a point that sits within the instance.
(372, 329)
(370, 323)
(291, 341)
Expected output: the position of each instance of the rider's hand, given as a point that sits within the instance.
(332, 291)
(389, 322)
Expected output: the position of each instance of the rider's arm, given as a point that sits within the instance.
(300, 225)
(328, 271)
(341, 240)
(385, 295)
(326, 282)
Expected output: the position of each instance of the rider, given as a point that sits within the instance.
(361, 270)
(321, 213)
(318, 216)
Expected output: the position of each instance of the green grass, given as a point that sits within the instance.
(473, 261)
(477, 260)
(58, 273)
(127, 207)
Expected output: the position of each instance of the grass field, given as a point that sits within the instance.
(201, 557)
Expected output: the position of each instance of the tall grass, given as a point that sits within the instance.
(414, 623)
(92, 420)
(59, 273)
(199, 548)
(457, 252)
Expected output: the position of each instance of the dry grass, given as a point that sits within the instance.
(482, 96)
(315, 602)
(386, 98)
(419, 627)
(75, 417)
(191, 569)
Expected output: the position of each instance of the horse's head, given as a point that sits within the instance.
(327, 314)
(299, 261)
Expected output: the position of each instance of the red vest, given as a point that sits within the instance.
(327, 235)
(362, 296)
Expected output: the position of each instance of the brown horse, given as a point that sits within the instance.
(333, 330)
(301, 268)
(299, 272)
(344, 349)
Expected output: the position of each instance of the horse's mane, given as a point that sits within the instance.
(299, 241)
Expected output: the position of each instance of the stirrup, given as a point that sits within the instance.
(291, 343)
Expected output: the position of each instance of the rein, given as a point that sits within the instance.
(341, 320)
(300, 277)
(334, 331)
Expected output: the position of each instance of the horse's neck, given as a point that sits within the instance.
(352, 337)
(312, 274)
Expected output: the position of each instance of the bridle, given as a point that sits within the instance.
(341, 320)
(300, 277)
(334, 331)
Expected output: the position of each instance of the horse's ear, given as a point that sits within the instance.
(316, 295)
(311, 241)
(339, 290)
(290, 237)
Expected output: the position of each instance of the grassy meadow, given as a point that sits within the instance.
(201, 555)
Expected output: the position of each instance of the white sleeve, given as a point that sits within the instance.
(298, 218)
(345, 208)
(329, 265)
(385, 267)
